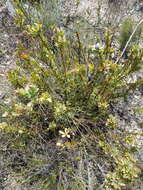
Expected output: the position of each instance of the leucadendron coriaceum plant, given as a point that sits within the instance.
(62, 94)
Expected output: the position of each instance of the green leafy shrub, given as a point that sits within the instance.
(71, 82)
(63, 92)
(46, 12)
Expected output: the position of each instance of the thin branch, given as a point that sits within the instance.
(131, 36)
(79, 47)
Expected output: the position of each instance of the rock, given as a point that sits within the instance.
(10, 8)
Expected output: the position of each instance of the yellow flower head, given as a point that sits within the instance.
(65, 133)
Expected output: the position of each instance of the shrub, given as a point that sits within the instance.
(63, 92)
(46, 12)
(71, 82)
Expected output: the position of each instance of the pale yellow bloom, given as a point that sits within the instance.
(65, 133)
(103, 105)
(3, 125)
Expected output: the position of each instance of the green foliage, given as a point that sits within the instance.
(63, 89)
(124, 173)
(69, 81)
(126, 30)
(45, 12)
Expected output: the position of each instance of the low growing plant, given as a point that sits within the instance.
(63, 92)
